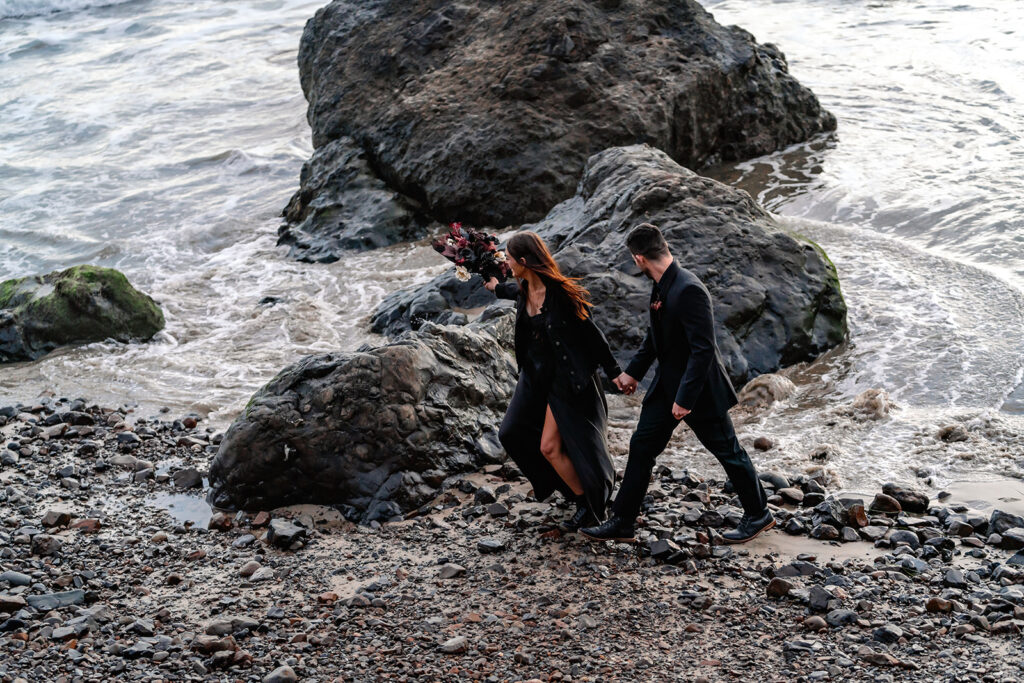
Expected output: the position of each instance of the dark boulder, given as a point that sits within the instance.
(359, 428)
(80, 305)
(1000, 521)
(910, 500)
(777, 298)
(342, 205)
(487, 112)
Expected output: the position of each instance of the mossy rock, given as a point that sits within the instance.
(79, 305)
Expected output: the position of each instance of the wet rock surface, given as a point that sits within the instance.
(79, 305)
(777, 298)
(453, 593)
(487, 113)
(342, 205)
(376, 430)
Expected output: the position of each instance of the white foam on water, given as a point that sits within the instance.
(33, 8)
(941, 338)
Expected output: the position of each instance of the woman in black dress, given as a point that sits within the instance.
(555, 426)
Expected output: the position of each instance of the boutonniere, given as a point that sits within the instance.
(656, 304)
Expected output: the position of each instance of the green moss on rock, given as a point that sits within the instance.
(79, 305)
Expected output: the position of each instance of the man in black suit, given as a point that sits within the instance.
(690, 385)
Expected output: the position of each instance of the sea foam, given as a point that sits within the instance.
(33, 8)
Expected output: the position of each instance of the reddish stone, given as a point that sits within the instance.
(88, 526)
(857, 516)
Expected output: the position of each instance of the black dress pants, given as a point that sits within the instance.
(716, 433)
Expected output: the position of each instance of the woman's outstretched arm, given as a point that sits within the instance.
(503, 290)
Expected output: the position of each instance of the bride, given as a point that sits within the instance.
(555, 425)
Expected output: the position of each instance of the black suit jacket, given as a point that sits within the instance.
(578, 344)
(681, 337)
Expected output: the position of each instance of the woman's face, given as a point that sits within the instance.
(518, 269)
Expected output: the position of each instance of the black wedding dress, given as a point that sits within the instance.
(558, 356)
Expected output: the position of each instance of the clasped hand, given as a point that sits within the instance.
(625, 383)
(628, 385)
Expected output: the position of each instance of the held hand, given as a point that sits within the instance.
(625, 383)
(679, 412)
(491, 284)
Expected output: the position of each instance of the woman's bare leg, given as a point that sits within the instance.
(552, 448)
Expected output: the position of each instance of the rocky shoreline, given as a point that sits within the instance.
(99, 580)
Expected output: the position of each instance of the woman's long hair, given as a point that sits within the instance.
(530, 247)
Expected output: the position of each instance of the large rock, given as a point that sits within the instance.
(359, 428)
(343, 205)
(776, 295)
(487, 112)
(79, 305)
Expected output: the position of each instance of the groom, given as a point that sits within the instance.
(690, 384)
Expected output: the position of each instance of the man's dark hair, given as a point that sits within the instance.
(647, 241)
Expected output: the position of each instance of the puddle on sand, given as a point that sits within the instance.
(1000, 493)
(183, 507)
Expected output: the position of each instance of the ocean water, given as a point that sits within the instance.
(163, 137)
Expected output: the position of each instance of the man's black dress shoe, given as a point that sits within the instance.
(615, 529)
(749, 528)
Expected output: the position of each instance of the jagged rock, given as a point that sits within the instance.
(79, 305)
(841, 617)
(779, 588)
(662, 549)
(831, 512)
(11, 603)
(777, 298)
(939, 605)
(282, 674)
(487, 113)
(349, 427)
(455, 645)
(902, 536)
(51, 601)
(872, 533)
(1012, 539)
(188, 478)
(56, 518)
(450, 571)
(46, 545)
(283, 533)
(818, 599)
(1000, 521)
(856, 516)
(490, 545)
(343, 205)
(792, 495)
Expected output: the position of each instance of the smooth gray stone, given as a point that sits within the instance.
(56, 600)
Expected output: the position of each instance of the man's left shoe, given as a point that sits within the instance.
(749, 528)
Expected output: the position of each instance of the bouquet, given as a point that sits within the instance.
(473, 251)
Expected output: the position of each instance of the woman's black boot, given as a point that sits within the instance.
(584, 516)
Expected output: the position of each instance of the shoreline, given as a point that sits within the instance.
(480, 586)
